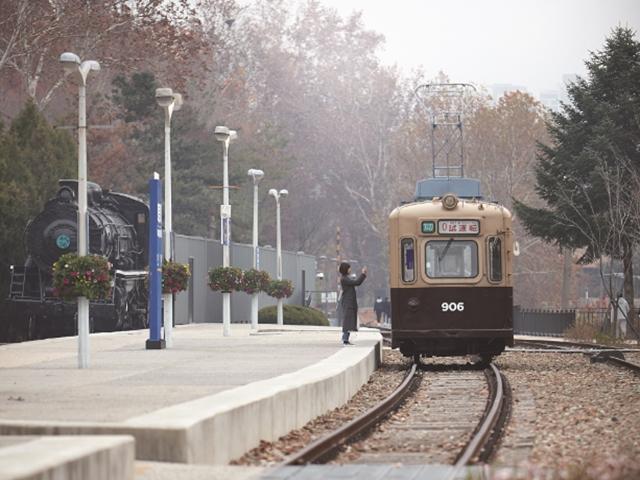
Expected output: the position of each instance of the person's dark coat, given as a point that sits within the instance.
(350, 302)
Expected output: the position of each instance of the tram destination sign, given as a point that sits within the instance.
(459, 227)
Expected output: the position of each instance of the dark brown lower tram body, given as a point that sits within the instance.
(420, 326)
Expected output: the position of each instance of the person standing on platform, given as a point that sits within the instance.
(349, 300)
(620, 317)
(377, 308)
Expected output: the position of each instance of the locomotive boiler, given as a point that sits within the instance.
(117, 229)
(450, 256)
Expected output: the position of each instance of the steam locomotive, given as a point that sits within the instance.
(117, 229)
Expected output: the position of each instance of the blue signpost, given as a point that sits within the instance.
(155, 264)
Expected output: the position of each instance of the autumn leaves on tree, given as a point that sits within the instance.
(314, 107)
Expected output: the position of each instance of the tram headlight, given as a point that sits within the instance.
(413, 303)
(449, 201)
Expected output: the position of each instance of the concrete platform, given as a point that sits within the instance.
(66, 457)
(207, 400)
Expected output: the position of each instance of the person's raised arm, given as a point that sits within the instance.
(355, 281)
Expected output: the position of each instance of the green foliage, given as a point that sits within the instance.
(255, 281)
(86, 276)
(293, 315)
(136, 96)
(175, 277)
(196, 157)
(595, 139)
(225, 279)
(33, 156)
(280, 289)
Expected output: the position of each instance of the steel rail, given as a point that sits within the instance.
(486, 431)
(592, 348)
(623, 363)
(329, 444)
(557, 343)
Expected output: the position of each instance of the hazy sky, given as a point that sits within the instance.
(523, 42)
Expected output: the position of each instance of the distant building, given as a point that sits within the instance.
(550, 99)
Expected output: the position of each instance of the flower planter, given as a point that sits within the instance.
(280, 289)
(86, 276)
(225, 279)
(255, 281)
(175, 277)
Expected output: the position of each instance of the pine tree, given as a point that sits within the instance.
(586, 175)
(33, 156)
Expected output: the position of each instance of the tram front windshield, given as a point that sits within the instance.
(451, 258)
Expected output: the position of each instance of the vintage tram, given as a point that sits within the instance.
(450, 255)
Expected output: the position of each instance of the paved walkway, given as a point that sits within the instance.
(40, 380)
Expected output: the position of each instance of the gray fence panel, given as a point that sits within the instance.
(542, 322)
(200, 250)
(207, 253)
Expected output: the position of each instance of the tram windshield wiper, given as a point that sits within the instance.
(446, 249)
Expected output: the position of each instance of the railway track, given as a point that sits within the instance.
(384, 331)
(604, 353)
(447, 405)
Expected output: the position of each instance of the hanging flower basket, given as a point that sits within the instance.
(87, 276)
(225, 279)
(175, 277)
(255, 281)
(280, 289)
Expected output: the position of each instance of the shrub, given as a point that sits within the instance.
(87, 276)
(280, 289)
(293, 315)
(175, 277)
(225, 279)
(255, 281)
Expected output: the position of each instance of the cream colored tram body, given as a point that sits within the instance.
(450, 255)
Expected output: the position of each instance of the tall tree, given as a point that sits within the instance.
(596, 133)
(33, 156)
(121, 34)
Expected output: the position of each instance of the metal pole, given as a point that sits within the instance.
(83, 302)
(254, 297)
(279, 261)
(225, 216)
(167, 298)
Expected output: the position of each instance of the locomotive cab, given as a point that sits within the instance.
(451, 272)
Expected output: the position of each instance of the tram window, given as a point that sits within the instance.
(495, 259)
(408, 260)
(451, 259)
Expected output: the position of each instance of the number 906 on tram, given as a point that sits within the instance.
(450, 255)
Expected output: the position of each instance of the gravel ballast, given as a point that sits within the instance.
(571, 418)
(585, 416)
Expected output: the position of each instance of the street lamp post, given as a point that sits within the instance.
(80, 70)
(169, 101)
(257, 176)
(277, 195)
(224, 135)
